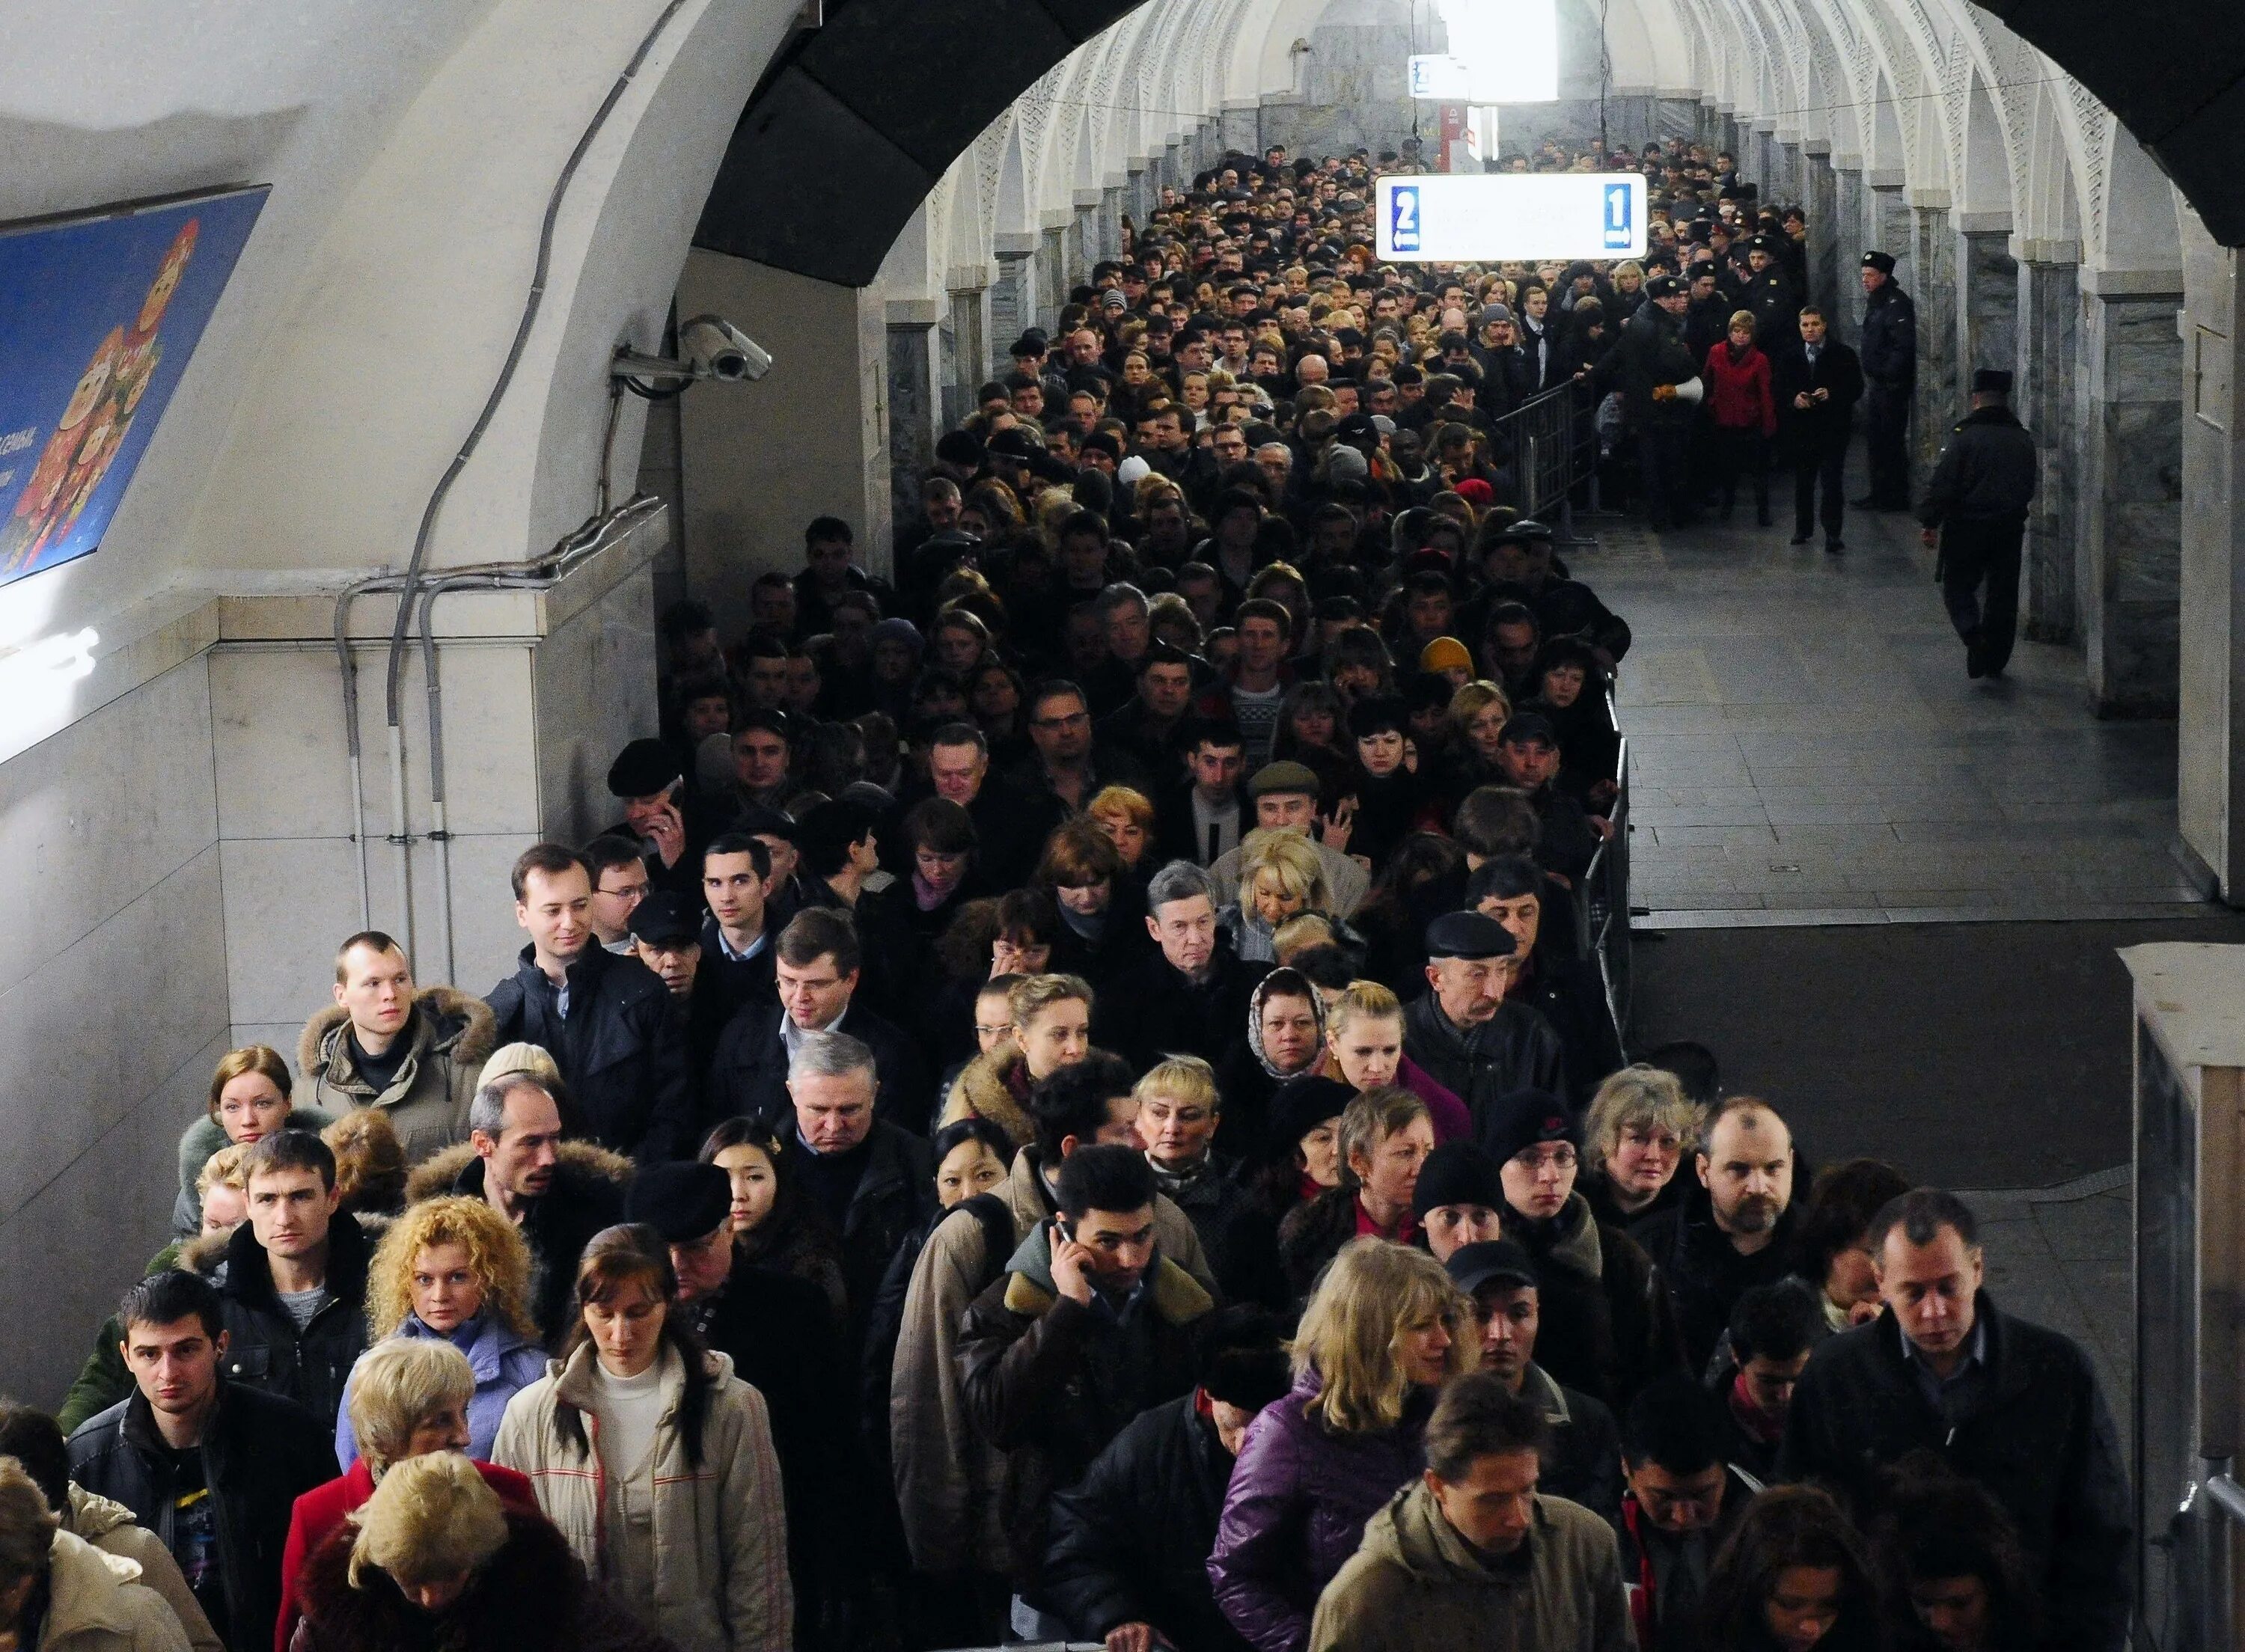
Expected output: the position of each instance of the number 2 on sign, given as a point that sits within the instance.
(1404, 219)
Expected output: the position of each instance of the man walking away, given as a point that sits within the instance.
(1975, 513)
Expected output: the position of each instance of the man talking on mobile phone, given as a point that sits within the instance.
(658, 816)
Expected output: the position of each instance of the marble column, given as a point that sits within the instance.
(1110, 221)
(914, 395)
(2210, 719)
(1013, 301)
(1819, 200)
(1243, 127)
(1675, 118)
(970, 351)
(1055, 272)
(1988, 301)
(2128, 437)
(1137, 194)
(1086, 234)
(2049, 312)
(1851, 198)
(1940, 400)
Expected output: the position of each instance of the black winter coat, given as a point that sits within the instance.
(1156, 1011)
(1607, 1326)
(747, 1075)
(259, 1454)
(557, 1226)
(265, 1349)
(1516, 1049)
(1824, 428)
(1571, 995)
(1988, 470)
(1583, 1465)
(1705, 1272)
(1888, 344)
(622, 1049)
(2039, 1439)
(1650, 353)
(1130, 1543)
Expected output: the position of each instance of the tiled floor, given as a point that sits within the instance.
(1806, 748)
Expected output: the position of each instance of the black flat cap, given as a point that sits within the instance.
(1468, 935)
(680, 1201)
(643, 768)
(665, 919)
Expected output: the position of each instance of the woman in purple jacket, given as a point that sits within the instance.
(1384, 1330)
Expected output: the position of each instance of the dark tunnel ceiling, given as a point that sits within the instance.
(856, 120)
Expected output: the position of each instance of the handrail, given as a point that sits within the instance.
(2226, 1495)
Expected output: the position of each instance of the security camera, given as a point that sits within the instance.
(713, 347)
(710, 346)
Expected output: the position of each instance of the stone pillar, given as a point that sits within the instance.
(1243, 126)
(1988, 301)
(1675, 118)
(1013, 298)
(1110, 221)
(914, 400)
(970, 350)
(1851, 198)
(1138, 192)
(1052, 275)
(1940, 400)
(2210, 734)
(2128, 434)
(1087, 250)
(1819, 198)
(2049, 314)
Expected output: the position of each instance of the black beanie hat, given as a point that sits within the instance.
(1457, 1173)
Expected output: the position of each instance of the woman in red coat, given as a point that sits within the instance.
(1744, 413)
(408, 1398)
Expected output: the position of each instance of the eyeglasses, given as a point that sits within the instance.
(1538, 1160)
(996, 1029)
(1069, 722)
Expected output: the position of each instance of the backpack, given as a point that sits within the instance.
(884, 1324)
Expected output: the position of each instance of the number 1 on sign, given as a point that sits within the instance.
(1618, 215)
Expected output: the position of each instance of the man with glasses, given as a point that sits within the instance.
(1066, 764)
(620, 883)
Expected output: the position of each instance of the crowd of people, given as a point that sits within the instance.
(1072, 1103)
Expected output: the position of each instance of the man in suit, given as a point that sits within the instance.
(1816, 384)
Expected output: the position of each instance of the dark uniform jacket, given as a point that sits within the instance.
(1515, 1049)
(1130, 1543)
(1987, 471)
(1888, 347)
(2036, 1434)
(259, 1454)
(1583, 1465)
(265, 1349)
(622, 1049)
(1651, 352)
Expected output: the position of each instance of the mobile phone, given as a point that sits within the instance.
(1064, 1229)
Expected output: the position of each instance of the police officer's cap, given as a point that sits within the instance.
(1663, 286)
(1882, 263)
(1991, 380)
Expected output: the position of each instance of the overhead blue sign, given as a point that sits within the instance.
(1621, 218)
(1459, 218)
(98, 316)
(1403, 218)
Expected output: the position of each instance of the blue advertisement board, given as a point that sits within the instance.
(98, 316)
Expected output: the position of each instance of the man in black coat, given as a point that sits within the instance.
(1889, 361)
(2005, 1403)
(607, 1021)
(818, 966)
(1464, 1033)
(1190, 996)
(784, 1343)
(1648, 365)
(294, 1292)
(1816, 382)
(211, 1467)
(1975, 512)
(1130, 1544)
(1733, 1230)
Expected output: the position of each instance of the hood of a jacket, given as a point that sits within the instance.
(582, 1162)
(1295, 984)
(86, 1591)
(446, 1022)
(1570, 1239)
(94, 1517)
(574, 1382)
(1412, 1534)
(1173, 1293)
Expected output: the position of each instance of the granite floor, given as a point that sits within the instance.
(1806, 748)
(2060, 1256)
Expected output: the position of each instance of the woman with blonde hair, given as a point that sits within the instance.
(1127, 817)
(656, 1461)
(436, 1560)
(1640, 1125)
(453, 1270)
(248, 1100)
(1385, 1330)
(1280, 877)
(411, 1400)
(1364, 1050)
(1478, 714)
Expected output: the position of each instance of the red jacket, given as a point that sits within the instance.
(324, 1508)
(1739, 390)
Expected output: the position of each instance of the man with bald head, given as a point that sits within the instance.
(1732, 1232)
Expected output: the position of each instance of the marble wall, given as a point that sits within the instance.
(2048, 316)
(1851, 208)
(2130, 379)
(113, 1006)
(1940, 401)
(1820, 200)
(1988, 303)
(2210, 722)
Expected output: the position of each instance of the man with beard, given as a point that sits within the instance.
(1734, 1230)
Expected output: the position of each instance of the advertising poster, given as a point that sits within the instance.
(98, 316)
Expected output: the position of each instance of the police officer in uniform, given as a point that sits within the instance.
(1889, 352)
(1976, 511)
(1770, 296)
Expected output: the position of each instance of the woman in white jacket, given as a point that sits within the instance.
(656, 1460)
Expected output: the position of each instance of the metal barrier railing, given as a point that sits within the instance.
(1550, 443)
(1602, 899)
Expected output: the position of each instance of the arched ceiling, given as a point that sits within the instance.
(859, 118)
(2174, 72)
